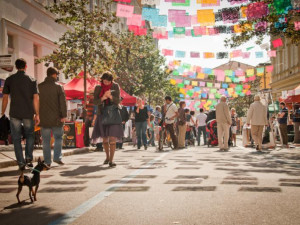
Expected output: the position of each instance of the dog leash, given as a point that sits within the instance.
(32, 169)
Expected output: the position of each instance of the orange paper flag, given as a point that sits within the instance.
(206, 17)
(208, 55)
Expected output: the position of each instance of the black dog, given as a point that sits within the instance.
(31, 182)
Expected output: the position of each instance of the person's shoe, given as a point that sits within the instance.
(106, 161)
(145, 147)
(59, 162)
(112, 164)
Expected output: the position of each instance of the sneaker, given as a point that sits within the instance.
(112, 164)
(145, 147)
(59, 162)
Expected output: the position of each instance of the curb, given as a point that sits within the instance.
(35, 158)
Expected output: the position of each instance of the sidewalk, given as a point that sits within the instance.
(9, 151)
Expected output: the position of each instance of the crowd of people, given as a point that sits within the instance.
(45, 105)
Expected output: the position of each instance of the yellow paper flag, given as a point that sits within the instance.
(172, 81)
(250, 72)
(194, 83)
(206, 17)
(237, 28)
(227, 79)
(200, 75)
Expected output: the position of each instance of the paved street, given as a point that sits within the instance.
(198, 185)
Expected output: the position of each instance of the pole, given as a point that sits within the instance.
(84, 84)
(265, 82)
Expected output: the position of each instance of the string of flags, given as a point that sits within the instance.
(202, 87)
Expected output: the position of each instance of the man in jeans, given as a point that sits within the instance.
(201, 123)
(171, 113)
(24, 104)
(282, 120)
(53, 113)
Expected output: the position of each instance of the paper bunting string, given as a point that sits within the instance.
(206, 17)
(272, 53)
(186, 3)
(124, 10)
(195, 55)
(167, 52)
(257, 10)
(282, 5)
(126, 1)
(180, 54)
(297, 25)
(150, 2)
(259, 54)
(277, 43)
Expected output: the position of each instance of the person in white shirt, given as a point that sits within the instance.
(171, 113)
(201, 124)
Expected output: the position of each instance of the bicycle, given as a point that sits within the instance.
(164, 138)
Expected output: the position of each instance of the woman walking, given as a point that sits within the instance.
(106, 95)
(141, 121)
(233, 125)
(181, 122)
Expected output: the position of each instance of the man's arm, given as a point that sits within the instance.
(36, 105)
(4, 104)
(249, 114)
(62, 104)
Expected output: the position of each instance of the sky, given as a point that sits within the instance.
(206, 43)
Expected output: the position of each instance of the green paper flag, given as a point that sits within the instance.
(281, 5)
(193, 34)
(213, 91)
(209, 84)
(186, 3)
(179, 30)
(180, 85)
(187, 82)
(175, 72)
(249, 48)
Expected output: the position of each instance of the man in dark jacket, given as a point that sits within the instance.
(53, 113)
(125, 118)
(24, 106)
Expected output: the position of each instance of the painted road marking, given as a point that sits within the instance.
(75, 213)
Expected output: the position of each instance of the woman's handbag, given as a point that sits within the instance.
(111, 115)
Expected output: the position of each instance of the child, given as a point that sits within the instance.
(151, 129)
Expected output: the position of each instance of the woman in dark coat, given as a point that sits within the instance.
(106, 94)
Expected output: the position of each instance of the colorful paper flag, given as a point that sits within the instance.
(272, 53)
(269, 68)
(297, 24)
(259, 54)
(124, 10)
(167, 52)
(277, 43)
(206, 17)
(180, 54)
(195, 55)
(208, 55)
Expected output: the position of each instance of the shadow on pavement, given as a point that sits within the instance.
(25, 213)
(82, 170)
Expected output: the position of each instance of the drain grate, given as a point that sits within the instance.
(190, 177)
(67, 189)
(126, 182)
(7, 190)
(240, 182)
(141, 176)
(240, 178)
(289, 180)
(199, 188)
(65, 182)
(183, 182)
(260, 189)
(289, 184)
(129, 189)
(187, 168)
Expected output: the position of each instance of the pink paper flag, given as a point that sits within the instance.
(194, 19)
(269, 68)
(195, 55)
(237, 53)
(239, 73)
(173, 13)
(277, 43)
(188, 32)
(125, 10)
(202, 84)
(135, 20)
(167, 52)
(246, 55)
(217, 85)
(221, 76)
(272, 53)
(297, 25)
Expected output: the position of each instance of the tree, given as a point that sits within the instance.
(242, 103)
(278, 22)
(140, 68)
(86, 45)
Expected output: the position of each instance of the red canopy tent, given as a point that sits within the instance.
(75, 90)
(294, 97)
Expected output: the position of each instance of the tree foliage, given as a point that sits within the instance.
(140, 68)
(88, 39)
(278, 24)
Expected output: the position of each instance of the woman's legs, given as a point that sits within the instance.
(112, 144)
(106, 147)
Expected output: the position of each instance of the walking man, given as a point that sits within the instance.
(282, 120)
(223, 123)
(24, 107)
(201, 124)
(53, 113)
(257, 117)
(171, 113)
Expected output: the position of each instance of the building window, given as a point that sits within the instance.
(10, 44)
